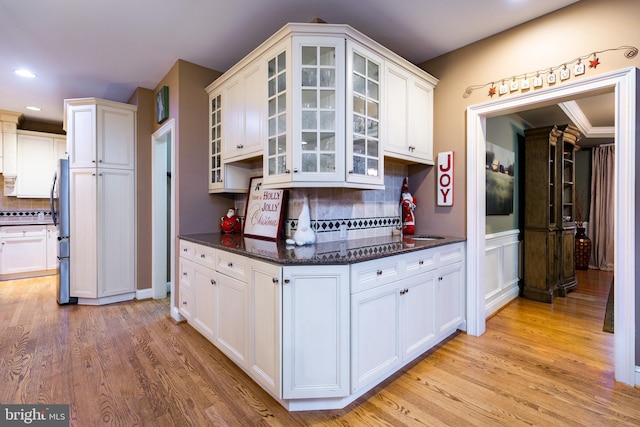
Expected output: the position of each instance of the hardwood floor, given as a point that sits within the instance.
(129, 364)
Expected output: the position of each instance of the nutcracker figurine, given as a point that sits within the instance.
(408, 204)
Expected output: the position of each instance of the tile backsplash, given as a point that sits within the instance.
(364, 213)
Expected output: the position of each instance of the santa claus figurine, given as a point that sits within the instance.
(230, 223)
(408, 204)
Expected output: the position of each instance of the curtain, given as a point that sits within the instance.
(601, 211)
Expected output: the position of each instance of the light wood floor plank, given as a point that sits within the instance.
(129, 364)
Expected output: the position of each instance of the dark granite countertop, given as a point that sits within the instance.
(338, 252)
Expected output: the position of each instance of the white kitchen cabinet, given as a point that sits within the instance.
(52, 247)
(187, 276)
(375, 334)
(225, 175)
(102, 233)
(243, 111)
(23, 249)
(391, 323)
(100, 133)
(232, 318)
(37, 155)
(204, 290)
(197, 287)
(451, 288)
(409, 132)
(315, 332)
(365, 104)
(101, 140)
(326, 116)
(450, 297)
(266, 326)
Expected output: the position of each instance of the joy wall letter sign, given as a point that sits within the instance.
(445, 178)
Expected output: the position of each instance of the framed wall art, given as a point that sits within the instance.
(162, 104)
(264, 211)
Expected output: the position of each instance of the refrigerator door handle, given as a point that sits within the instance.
(54, 214)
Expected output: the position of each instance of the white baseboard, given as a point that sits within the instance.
(107, 300)
(175, 315)
(505, 297)
(637, 377)
(144, 293)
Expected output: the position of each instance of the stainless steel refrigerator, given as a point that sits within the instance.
(60, 213)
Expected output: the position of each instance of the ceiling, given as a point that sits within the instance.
(594, 116)
(108, 48)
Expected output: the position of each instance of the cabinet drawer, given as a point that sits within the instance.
(233, 265)
(369, 274)
(23, 231)
(187, 274)
(186, 303)
(187, 249)
(204, 255)
(450, 254)
(420, 261)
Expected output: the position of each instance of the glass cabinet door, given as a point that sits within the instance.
(318, 106)
(318, 109)
(364, 75)
(276, 162)
(215, 141)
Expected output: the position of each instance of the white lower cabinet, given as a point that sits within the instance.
(52, 247)
(205, 291)
(231, 312)
(390, 325)
(23, 249)
(265, 359)
(315, 331)
(320, 336)
(450, 297)
(375, 333)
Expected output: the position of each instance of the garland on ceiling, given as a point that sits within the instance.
(536, 79)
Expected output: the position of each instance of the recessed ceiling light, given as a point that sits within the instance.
(24, 73)
(32, 108)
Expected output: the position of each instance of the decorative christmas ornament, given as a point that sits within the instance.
(408, 204)
(594, 62)
(304, 234)
(492, 91)
(230, 223)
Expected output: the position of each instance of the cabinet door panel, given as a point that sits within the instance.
(115, 138)
(23, 251)
(116, 231)
(450, 298)
(83, 233)
(315, 338)
(35, 166)
(419, 313)
(375, 334)
(205, 301)
(232, 318)
(266, 330)
(81, 131)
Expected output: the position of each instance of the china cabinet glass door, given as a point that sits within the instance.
(318, 105)
(364, 108)
(277, 115)
(215, 141)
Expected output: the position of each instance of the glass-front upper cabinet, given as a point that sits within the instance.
(306, 113)
(364, 150)
(215, 142)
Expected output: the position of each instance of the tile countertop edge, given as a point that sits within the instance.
(342, 252)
